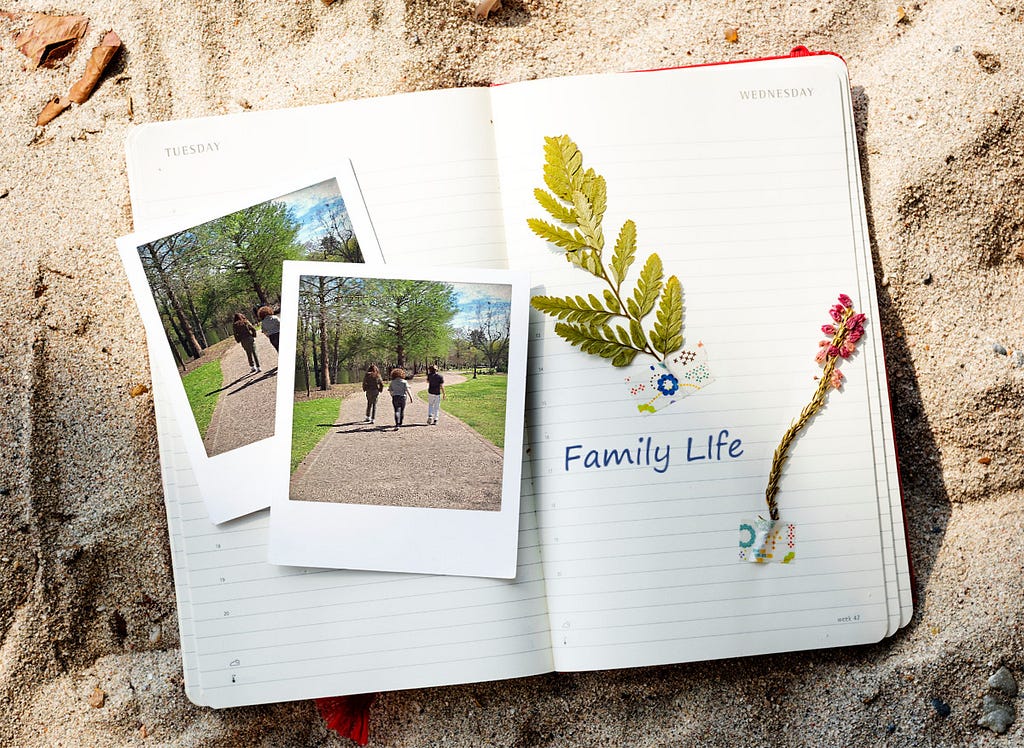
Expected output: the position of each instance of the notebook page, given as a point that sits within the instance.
(749, 206)
(299, 633)
(894, 544)
(172, 452)
(905, 599)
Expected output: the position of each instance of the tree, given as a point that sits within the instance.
(163, 261)
(338, 239)
(251, 244)
(411, 317)
(491, 334)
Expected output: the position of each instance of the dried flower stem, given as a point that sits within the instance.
(848, 321)
(782, 451)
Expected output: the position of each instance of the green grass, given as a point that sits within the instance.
(199, 383)
(307, 428)
(480, 403)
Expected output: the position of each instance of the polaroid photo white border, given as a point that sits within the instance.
(398, 538)
(233, 483)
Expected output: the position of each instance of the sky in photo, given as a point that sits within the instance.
(471, 296)
(305, 205)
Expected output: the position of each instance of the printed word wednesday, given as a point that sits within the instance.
(658, 457)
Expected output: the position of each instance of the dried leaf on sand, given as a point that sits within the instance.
(49, 39)
(101, 56)
(53, 107)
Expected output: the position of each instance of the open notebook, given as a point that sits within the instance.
(745, 179)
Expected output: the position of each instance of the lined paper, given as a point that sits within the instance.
(253, 632)
(750, 206)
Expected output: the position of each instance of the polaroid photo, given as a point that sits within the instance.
(410, 460)
(209, 295)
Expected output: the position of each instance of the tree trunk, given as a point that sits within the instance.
(179, 310)
(166, 313)
(200, 332)
(305, 354)
(325, 368)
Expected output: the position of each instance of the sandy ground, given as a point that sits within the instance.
(447, 466)
(86, 596)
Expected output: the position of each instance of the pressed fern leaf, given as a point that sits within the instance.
(589, 226)
(647, 288)
(551, 204)
(599, 340)
(667, 335)
(611, 302)
(572, 242)
(596, 190)
(563, 164)
(625, 253)
(576, 310)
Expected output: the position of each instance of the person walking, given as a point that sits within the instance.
(399, 390)
(435, 391)
(245, 335)
(270, 323)
(373, 385)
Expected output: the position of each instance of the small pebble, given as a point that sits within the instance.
(97, 697)
(927, 279)
(890, 728)
(155, 634)
(4, 192)
(999, 348)
(1004, 681)
(941, 707)
(996, 715)
(1018, 359)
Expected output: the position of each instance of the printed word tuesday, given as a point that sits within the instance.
(658, 457)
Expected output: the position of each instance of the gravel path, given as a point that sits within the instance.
(447, 466)
(245, 408)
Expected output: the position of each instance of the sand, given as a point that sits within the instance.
(86, 595)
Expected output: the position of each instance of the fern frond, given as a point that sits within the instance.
(596, 190)
(667, 335)
(647, 287)
(563, 164)
(589, 227)
(599, 340)
(573, 309)
(572, 242)
(551, 204)
(625, 252)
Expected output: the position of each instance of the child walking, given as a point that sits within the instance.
(399, 390)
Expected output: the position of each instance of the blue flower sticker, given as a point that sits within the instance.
(668, 384)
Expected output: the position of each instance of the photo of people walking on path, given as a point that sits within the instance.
(400, 392)
(217, 288)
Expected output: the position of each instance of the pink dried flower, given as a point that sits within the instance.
(822, 356)
(846, 301)
(823, 343)
(855, 335)
(836, 313)
(846, 349)
(828, 329)
(837, 379)
(855, 322)
(833, 351)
